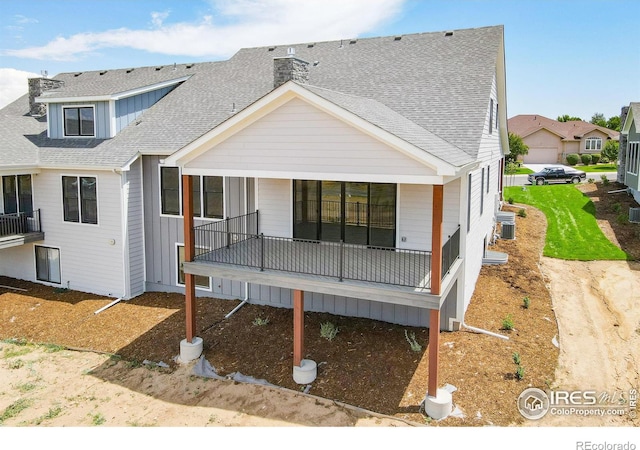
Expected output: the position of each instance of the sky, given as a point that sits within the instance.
(562, 56)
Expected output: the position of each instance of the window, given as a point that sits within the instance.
(593, 143)
(48, 264)
(201, 281)
(633, 158)
(17, 194)
(488, 177)
(170, 190)
(497, 115)
(208, 197)
(491, 117)
(80, 199)
(79, 121)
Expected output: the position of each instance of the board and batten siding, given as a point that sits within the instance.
(101, 116)
(298, 138)
(91, 256)
(132, 198)
(128, 109)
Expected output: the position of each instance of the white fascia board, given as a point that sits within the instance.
(502, 98)
(117, 96)
(86, 168)
(279, 97)
(326, 176)
(18, 170)
(127, 166)
(626, 126)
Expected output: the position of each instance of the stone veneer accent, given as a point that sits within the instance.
(36, 87)
(622, 148)
(289, 68)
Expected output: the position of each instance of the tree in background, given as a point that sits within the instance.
(614, 123)
(610, 151)
(598, 119)
(517, 147)
(567, 118)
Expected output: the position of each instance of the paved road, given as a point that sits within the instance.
(521, 180)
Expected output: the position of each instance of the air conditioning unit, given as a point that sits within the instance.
(506, 216)
(508, 230)
(634, 215)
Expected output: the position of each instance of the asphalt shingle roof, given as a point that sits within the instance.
(430, 89)
(525, 124)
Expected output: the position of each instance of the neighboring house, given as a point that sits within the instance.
(366, 172)
(629, 169)
(550, 141)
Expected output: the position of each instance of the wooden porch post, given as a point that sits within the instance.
(298, 326)
(436, 239)
(189, 254)
(434, 345)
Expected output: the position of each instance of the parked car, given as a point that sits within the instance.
(557, 174)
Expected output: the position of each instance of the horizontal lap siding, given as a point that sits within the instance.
(299, 138)
(88, 261)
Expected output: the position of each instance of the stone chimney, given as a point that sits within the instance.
(289, 68)
(36, 87)
(622, 148)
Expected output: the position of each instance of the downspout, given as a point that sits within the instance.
(481, 331)
(246, 299)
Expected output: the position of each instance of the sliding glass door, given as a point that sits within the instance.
(356, 213)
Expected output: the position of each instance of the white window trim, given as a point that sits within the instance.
(35, 266)
(95, 122)
(181, 215)
(81, 223)
(633, 157)
(177, 278)
(590, 139)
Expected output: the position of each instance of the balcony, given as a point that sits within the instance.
(234, 249)
(20, 228)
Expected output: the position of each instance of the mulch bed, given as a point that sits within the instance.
(368, 363)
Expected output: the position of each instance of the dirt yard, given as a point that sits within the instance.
(368, 374)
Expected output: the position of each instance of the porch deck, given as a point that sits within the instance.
(20, 228)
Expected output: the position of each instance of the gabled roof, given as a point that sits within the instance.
(633, 114)
(426, 82)
(526, 124)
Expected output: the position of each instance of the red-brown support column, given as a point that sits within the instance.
(436, 239)
(189, 254)
(434, 345)
(298, 326)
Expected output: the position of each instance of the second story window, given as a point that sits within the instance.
(593, 143)
(17, 194)
(80, 199)
(79, 121)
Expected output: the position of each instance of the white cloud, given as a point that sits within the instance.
(236, 24)
(13, 84)
(19, 18)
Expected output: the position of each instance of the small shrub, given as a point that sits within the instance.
(516, 358)
(526, 302)
(595, 158)
(520, 372)
(572, 159)
(522, 212)
(510, 200)
(328, 331)
(605, 180)
(413, 343)
(15, 408)
(622, 219)
(591, 180)
(98, 419)
(259, 321)
(616, 207)
(507, 323)
(585, 158)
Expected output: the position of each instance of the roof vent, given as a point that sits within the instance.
(77, 74)
(189, 66)
(353, 41)
(448, 33)
(310, 45)
(315, 63)
(159, 68)
(44, 73)
(291, 51)
(397, 38)
(270, 49)
(103, 72)
(130, 70)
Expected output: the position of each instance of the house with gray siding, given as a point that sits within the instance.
(357, 177)
(629, 168)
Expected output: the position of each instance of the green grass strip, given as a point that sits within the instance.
(572, 230)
